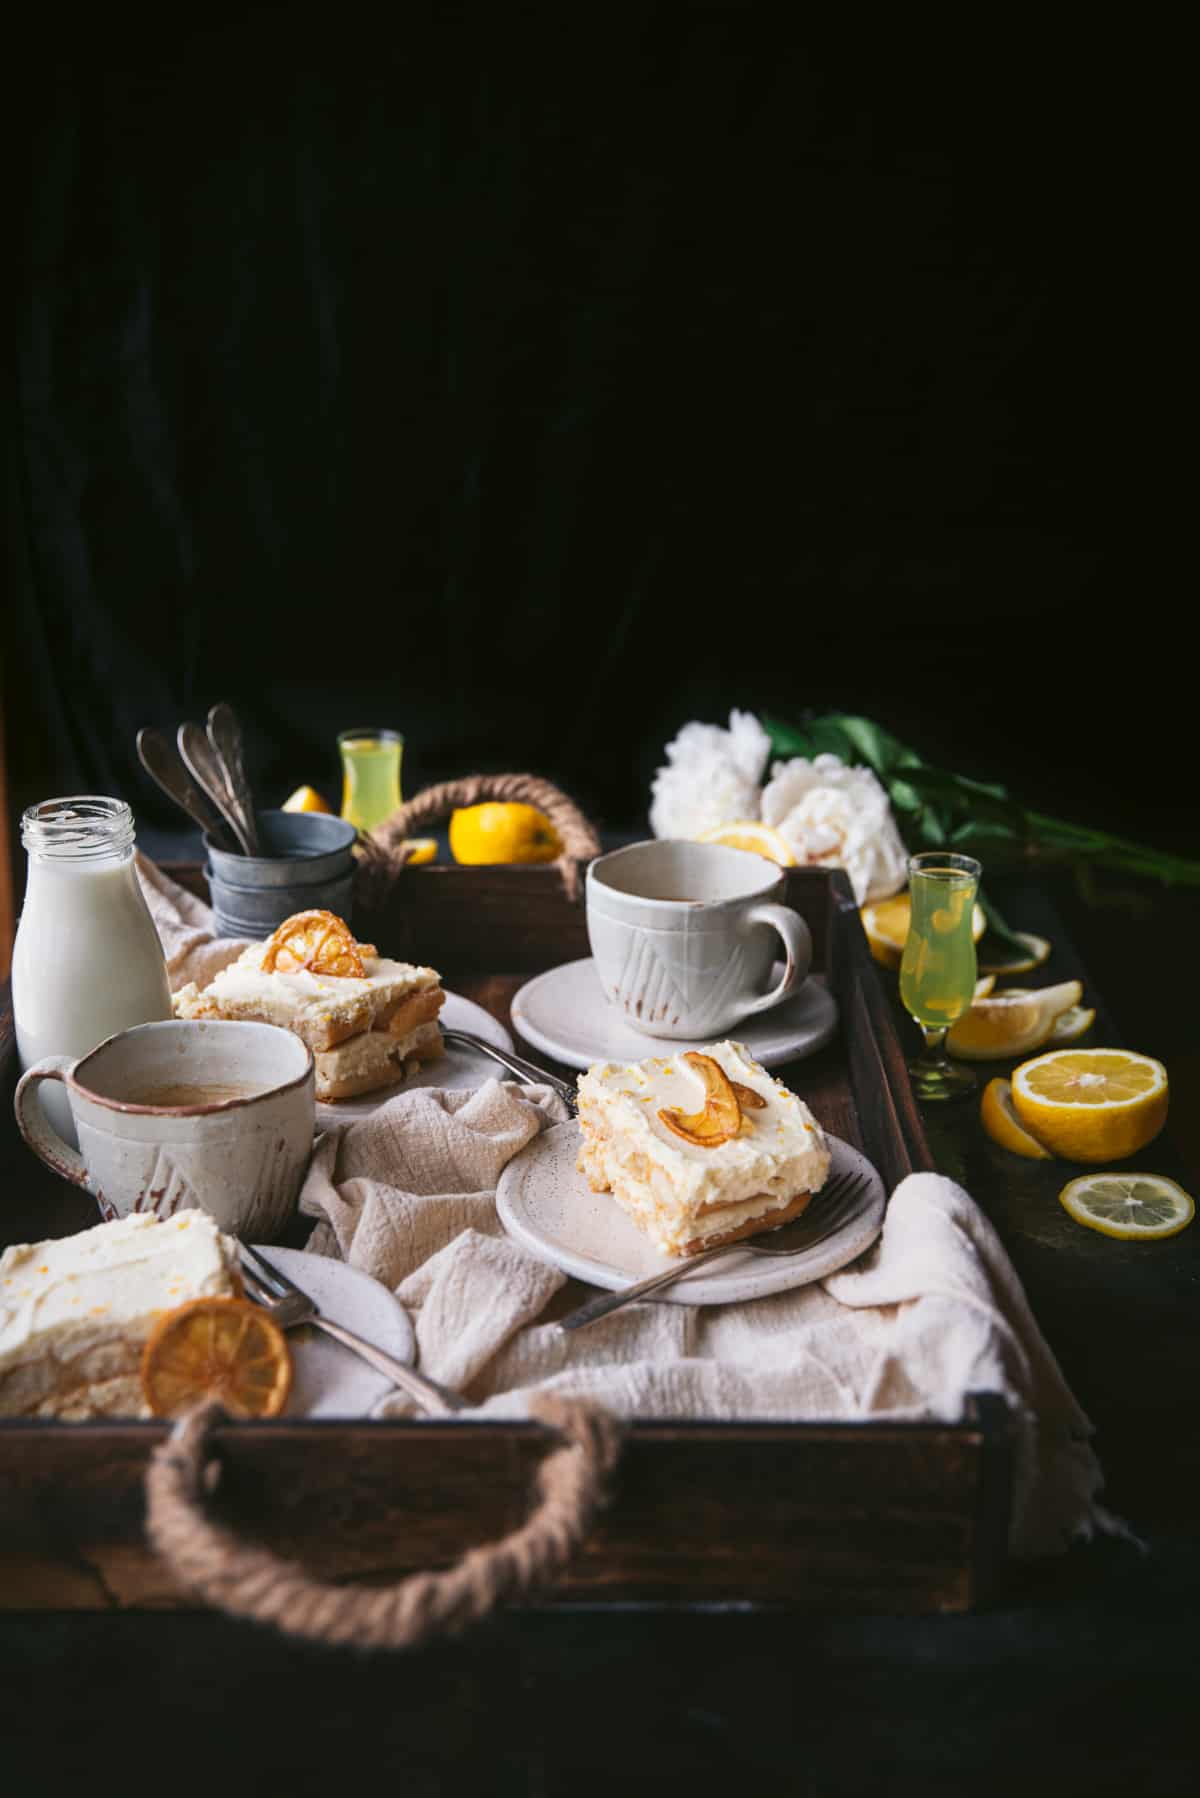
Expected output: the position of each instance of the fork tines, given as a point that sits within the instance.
(267, 1275)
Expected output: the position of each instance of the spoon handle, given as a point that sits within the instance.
(225, 737)
(196, 751)
(162, 763)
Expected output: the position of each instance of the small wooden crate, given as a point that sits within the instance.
(864, 1516)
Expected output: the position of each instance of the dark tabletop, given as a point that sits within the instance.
(1077, 1679)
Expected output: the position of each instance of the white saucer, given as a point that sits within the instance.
(564, 1013)
(547, 1206)
(329, 1380)
(457, 1067)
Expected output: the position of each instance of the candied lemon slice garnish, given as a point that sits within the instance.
(227, 1349)
(318, 942)
(721, 1118)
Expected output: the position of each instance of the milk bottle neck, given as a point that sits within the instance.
(86, 831)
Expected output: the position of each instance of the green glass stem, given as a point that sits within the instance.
(933, 1075)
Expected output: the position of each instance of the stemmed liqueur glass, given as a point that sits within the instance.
(937, 970)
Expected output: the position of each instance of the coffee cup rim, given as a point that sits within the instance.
(772, 875)
(130, 1107)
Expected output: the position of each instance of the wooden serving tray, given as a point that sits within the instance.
(870, 1516)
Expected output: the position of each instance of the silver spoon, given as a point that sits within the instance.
(225, 736)
(202, 764)
(164, 766)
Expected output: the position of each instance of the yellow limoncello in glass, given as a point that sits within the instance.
(370, 775)
(937, 969)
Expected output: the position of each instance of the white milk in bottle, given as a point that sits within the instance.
(87, 960)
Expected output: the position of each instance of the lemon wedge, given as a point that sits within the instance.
(1091, 1104)
(305, 799)
(1135, 1207)
(748, 833)
(421, 849)
(1011, 961)
(1010, 1023)
(1004, 1126)
(1068, 1026)
(886, 923)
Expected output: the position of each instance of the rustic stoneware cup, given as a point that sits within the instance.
(242, 1158)
(684, 936)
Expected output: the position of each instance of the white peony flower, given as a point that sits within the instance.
(836, 816)
(714, 777)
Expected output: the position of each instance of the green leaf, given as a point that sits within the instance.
(971, 799)
(997, 929)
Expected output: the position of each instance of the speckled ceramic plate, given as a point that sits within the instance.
(547, 1206)
(456, 1068)
(564, 1013)
(329, 1380)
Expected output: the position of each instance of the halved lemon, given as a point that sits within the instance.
(227, 1349)
(305, 799)
(1135, 1207)
(1011, 961)
(749, 834)
(886, 923)
(1004, 1126)
(1010, 1023)
(1091, 1104)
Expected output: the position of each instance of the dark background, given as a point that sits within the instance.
(533, 379)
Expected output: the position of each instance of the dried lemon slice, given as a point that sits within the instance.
(227, 1349)
(317, 942)
(721, 1118)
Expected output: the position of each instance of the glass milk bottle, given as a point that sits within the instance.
(87, 960)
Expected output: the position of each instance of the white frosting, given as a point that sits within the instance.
(680, 1191)
(286, 995)
(74, 1312)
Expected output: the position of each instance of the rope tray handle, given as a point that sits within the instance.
(250, 1582)
(384, 846)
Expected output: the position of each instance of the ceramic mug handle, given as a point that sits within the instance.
(797, 943)
(31, 1119)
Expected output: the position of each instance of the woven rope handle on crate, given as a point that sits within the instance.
(251, 1582)
(384, 847)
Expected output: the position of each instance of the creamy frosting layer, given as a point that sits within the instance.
(243, 981)
(75, 1312)
(681, 1192)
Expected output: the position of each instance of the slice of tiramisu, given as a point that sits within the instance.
(368, 1020)
(699, 1148)
(75, 1312)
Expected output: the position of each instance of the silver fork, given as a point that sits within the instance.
(827, 1212)
(285, 1302)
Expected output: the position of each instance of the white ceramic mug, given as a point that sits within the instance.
(240, 1153)
(684, 935)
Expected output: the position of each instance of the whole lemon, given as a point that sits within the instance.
(502, 833)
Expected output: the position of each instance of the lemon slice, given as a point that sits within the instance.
(1011, 961)
(304, 799)
(1091, 1104)
(1010, 1023)
(748, 833)
(886, 923)
(1135, 1207)
(1004, 1126)
(421, 849)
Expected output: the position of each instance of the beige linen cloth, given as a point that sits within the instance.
(932, 1312)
